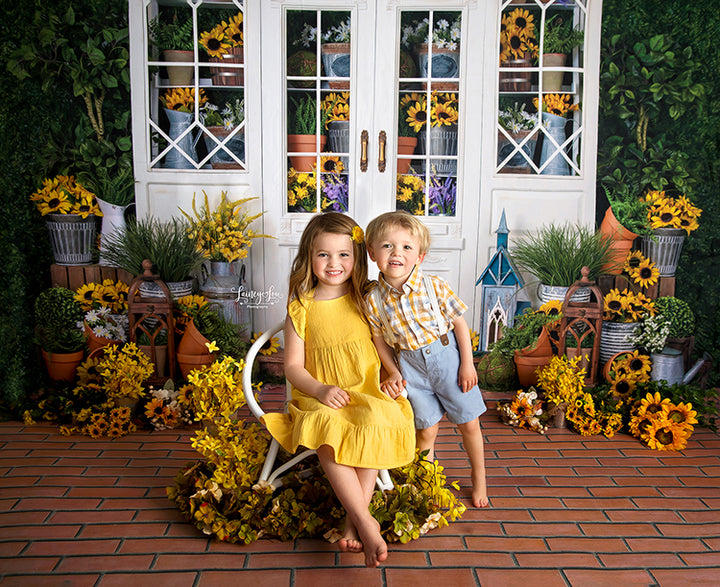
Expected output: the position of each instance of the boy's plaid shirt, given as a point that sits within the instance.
(410, 313)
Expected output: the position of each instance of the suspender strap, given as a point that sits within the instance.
(382, 312)
(436, 310)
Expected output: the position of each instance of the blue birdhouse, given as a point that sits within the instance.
(500, 282)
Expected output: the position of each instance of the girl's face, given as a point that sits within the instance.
(333, 258)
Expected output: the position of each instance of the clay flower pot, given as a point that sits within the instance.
(193, 342)
(189, 363)
(622, 242)
(62, 366)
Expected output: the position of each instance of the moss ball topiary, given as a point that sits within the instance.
(682, 319)
(496, 372)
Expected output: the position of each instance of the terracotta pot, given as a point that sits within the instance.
(188, 363)
(527, 367)
(273, 364)
(304, 144)
(543, 347)
(62, 366)
(608, 364)
(192, 342)
(95, 342)
(406, 146)
(622, 242)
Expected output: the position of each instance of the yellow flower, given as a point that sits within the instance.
(663, 434)
(444, 115)
(633, 261)
(682, 414)
(331, 164)
(182, 99)
(416, 116)
(214, 42)
(212, 346)
(558, 104)
(646, 274)
(357, 235)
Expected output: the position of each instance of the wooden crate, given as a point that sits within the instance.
(75, 276)
(664, 287)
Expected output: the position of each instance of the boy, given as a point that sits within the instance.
(422, 319)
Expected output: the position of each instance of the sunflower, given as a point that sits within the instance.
(664, 215)
(682, 414)
(623, 387)
(331, 164)
(416, 116)
(85, 296)
(523, 20)
(57, 202)
(633, 260)
(689, 224)
(558, 104)
(652, 404)
(234, 34)
(155, 408)
(474, 340)
(443, 115)
(214, 41)
(515, 43)
(270, 347)
(552, 308)
(614, 304)
(665, 435)
(638, 364)
(646, 274)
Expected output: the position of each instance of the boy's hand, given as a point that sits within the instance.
(467, 376)
(394, 385)
(333, 397)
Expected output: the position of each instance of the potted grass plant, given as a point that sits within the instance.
(173, 253)
(556, 253)
(303, 132)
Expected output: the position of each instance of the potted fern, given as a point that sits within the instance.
(172, 34)
(303, 132)
(559, 40)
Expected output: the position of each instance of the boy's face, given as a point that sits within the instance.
(396, 253)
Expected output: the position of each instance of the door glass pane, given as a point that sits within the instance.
(428, 112)
(318, 110)
(539, 126)
(197, 85)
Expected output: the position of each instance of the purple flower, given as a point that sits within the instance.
(442, 196)
(335, 192)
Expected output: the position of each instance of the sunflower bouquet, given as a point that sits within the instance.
(661, 424)
(410, 194)
(168, 407)
(443, 109)
(628, 371)
(182, 99)
(222, 234)
(63, 195)
(517, 35)
(669, 212)
(557, 104)
(223, 37)
(525, 410)
(626, 306)
(336, 105)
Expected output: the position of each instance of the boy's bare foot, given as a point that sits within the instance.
(350, 542)
(373, 544)
(479, 491)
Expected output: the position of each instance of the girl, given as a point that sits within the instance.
(337, 407)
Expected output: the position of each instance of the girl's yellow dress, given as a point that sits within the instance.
(372, 431)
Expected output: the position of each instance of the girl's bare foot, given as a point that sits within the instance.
(373, 544)
(350, 542)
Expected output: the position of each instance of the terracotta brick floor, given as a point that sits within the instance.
(566, 510)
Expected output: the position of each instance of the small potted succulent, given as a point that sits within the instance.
(57, 314)
(303, 130)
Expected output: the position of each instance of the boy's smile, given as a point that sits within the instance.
(396, 254)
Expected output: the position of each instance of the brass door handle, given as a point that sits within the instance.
(364, 138)
(382, 140)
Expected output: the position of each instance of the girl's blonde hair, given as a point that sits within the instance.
(302, 278)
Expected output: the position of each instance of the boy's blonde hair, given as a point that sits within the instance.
(381, 225)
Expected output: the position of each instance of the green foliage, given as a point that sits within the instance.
(556, 254)
(678, 312)
(496, 371)
(57, 314)
(684, 153)
(116, 187)
(213, 326)
(628, 208)
(524, 332)
(560, 36)
(302, 116)
(172, 31)
(84, 49)
(166, 244)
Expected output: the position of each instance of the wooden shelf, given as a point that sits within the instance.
(75, 276)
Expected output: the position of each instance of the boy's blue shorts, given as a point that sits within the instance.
(431, 373)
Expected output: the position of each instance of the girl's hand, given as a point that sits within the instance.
(333, 397)
(467, 376)
(393, 386)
